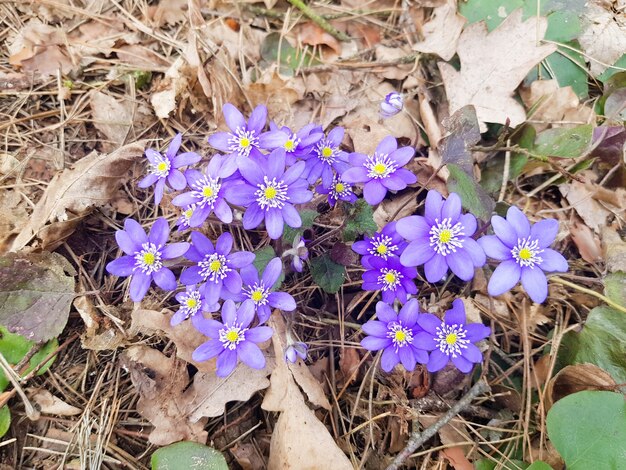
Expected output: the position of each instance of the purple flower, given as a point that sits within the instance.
(338, 190)
(382, 171)
(270, 193)
(451, 339)
(207, 192)
(395, 280)
(233, 340)
(398, 335)
(391, 105)
(243, 139)
(325, 157)
(298, 252)
(165, 168)
(215, 266)
(145, 255)
(185, 218)
(296, 145)
(259, 291)
(441, 239)
(524, 253)
(191, 302)
(384, 244)
(296, 350)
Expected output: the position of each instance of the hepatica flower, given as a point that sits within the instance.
(325, 157)
(452, 339)
(384, 244)
(337, 191)
(398, 335)
(298, 252)
(145, 257)
(381, 171)
(270, 193)
(523, 252)
(391, 105)
(233, 340)
(191, 302)
(207, 193)
(296, 145)
(259, 291)
(296, 350)
(392, 278)
(215, 266)
(164, 169)
(243, 139)
(441, 239)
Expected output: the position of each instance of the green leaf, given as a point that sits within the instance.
(609, 72)
(5, 420)
(36, 291)
(186, 456)
(308, 216)
(506, 464)
(588, 429)
(615, 287)
(327, 274)
(602, 342)
(492, 12)
(14, 347)
(475, 199)
(359, 221)
(275, 48)
(564, 143)
(566, 66)
(538, 465)
(263, 257)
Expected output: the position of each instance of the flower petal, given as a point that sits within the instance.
(518, 221)
(135, 231)
(409, 313)
(165, 279)
(233, 282)
(462, 364)
(257, 119)
(553, 261)
(535, 284)
(186, 159)
(233, 117)
(174, 250)
(477, 331)
(272, 272)
(274, 223)
(191, 276)
(176, 180)
(160, 232)
(148, 181)
(385, 313)
(475, 251)
(403, 155)
(121, 266)
(435, 268)
(276, 164)
(139, 285)
(202, 243)
(545, 232)
(468, 221)
(251, 171)
(207, 350)
(374, 192)
(126, 243)
(494, 248)
(259, 334)
(226, 363)
(224, 243)
(429, 322)
(223, 211)
(456, 315)
(376, 328)
(505, 276)
(229, 312)
(436, 361)
(433, 205)
(407, 358)
(357, 174)
(241, 258)
(293, 173)
(451, 209)
(389, 359)
(472, 354)
(253, 216)
(417, 253)
(504, 231)
(291, 216)
(282, 301)
(374, 343)
(413, 227)
(240, 194)
(220, 141)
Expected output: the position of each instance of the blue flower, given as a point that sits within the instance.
(339, 190)
(391, 105)
(191, 302)
(325, 157)
(296, 145)
(384, 244)
(392, 278)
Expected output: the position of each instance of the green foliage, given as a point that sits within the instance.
(602, 342)
(539, 465)
(564, 143)
(14, 347)
(5, 420)
(475, 199)
(263, 257)
(609, 72)
(359, 221)
(186, 456)
(36, 291)
(588, 429)
(615, 287)
(275, 48)
(327, 274)
(308, 216)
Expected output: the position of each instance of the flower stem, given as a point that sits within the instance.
(321, 22)
(603, 298)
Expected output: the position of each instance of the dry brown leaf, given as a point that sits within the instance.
(141, 57)
(92, 182)
(174, 83)
(247, 456)
(111, 117)
(388, 54)
(442, 32)
(576, 378)
(311, 34)
(160, 381)
(614, 249)
(493, 65)
(170, 12)
(51, 405)
(586, 241)
(277, 93)
(349, 362)
(101, 334)
(13, 216)
(457, 458)
(603, 36)
(404, 205)
(580, 197)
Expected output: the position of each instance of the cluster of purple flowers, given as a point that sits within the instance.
(260, 177)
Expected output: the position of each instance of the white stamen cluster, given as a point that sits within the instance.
(326, 152)
(400, 335)
(526, 252)
(382, 246)
(339, 189)
(242, 141)
(185, 216)
(148, 259)
(446, 238)
(206, 189)
(271, 193)
(380, 166)
(190, 303)
(162, 167)
(214, 267)
(257, 292)
(291, 144)
(231, 336)
(390, 278)
(451, 339)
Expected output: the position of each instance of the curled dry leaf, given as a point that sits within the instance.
(604, 34)
(112, 117)
(442, 32)
(580, 197)
(279, 94)
(311, 34)
(576, 378)
(493, 65)
(100, 334)
(614, 250)
(49, 404)
(174, 83)
(586, 241)
(70, 196)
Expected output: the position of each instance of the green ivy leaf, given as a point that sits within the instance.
(475, 199)
(588, 429)
(5, 420)
(564, 143)
(308, 216)
(359, 221)
(263, 257)
(188, 455)
(327, 274)
(275, 48)
(615, 287)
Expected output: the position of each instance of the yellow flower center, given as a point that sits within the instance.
(340, 187)
(289, 145)
(207, 191)
(192, 303)
(445, 236)
(257, 295)
(327, 152)
(188, 213)
(232, 336)
(162, 166)
(148, 258)
(380, 168)
(244, 142)
(525, 254)
(215, 266)
(390, 278)
(270, 193)
(451, 338)
(400, 336)
(381, 249)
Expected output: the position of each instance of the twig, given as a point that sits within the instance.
(15, 380)
(317, 19)
(603, 298)
(417, 439)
